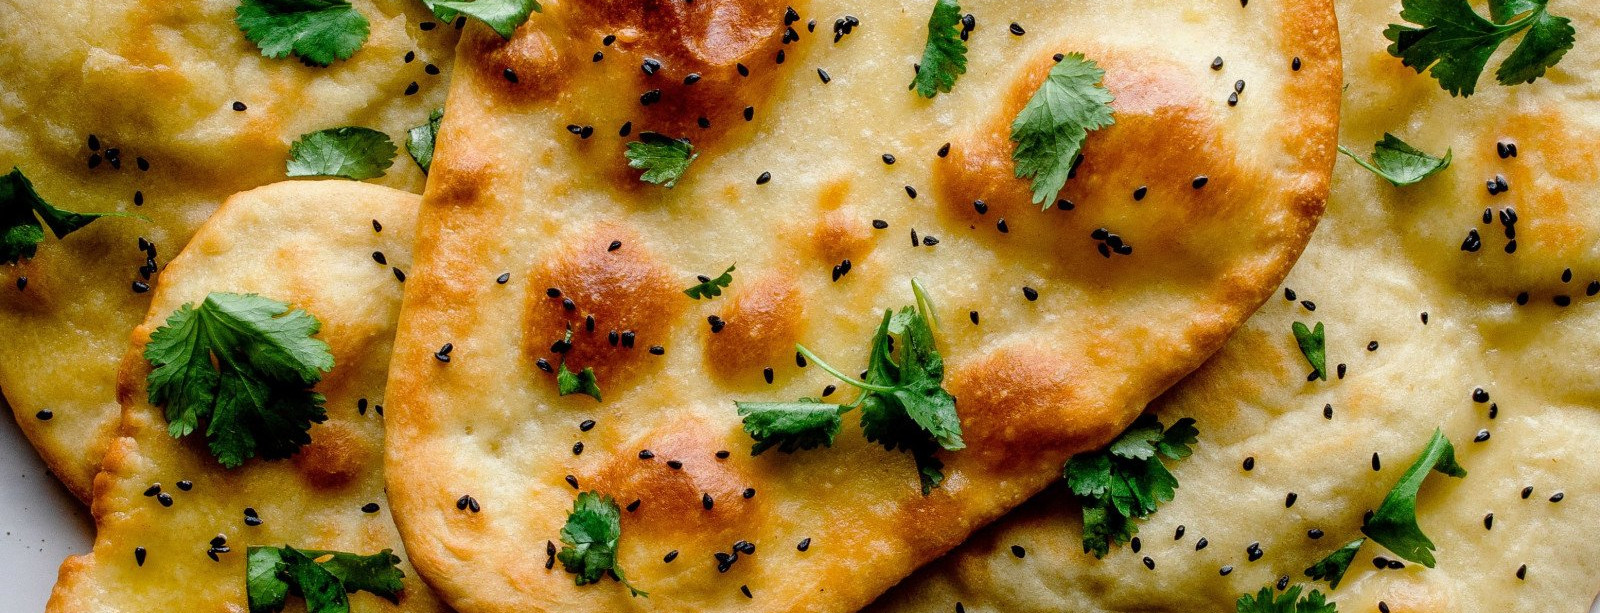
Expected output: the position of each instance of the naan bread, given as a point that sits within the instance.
(308, 244)
(1386, 267)
(513, 192)
(157, 80)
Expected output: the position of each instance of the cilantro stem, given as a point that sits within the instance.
(839, 375)
(924, 304)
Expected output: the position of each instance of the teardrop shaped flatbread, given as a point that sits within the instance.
(1049, 347)
(1418, 320)
(309, 244)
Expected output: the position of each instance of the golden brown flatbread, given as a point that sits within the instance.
(160, 502)
(1049, 347)
(96, 92)
(1421, 324)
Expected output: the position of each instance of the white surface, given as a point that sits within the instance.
(40, 523)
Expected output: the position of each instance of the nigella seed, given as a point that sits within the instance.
(165, 499)
(766, 373)
(152, 490)
(140, 287)
(1594, 288)
(1295, 65)
(748, 493)
(251, 518)
(544, 365)
(1200, 181)
(717, 323)
(139, 555)
(973, 315)
(398, 274)
(888, 158)
(944, 150)
(371, 507)
(1483, 435)
(1216, 64)
(1558, 497)
(805, 544)
(1136, 544)
(1494, 410)
(377, 256)
(650, 66)
(1002, 227)
(572, 481)
(650, 97)
(1522, 572)
(1030, 293)
(138, 198)
(626, 129)
(823, 74)
(723, 454)
(646, 454)
(586, 425)
(1139, 194)
(749, 113)
(186, 485)
(764, 178)
(744, 71)
(1290, 499)
(1201, 544)
(1250, 463)
(1314, 533)
(1016, 29)
(1479, 395)
(1473, 241)
(1178, 535)
(411, 89)
(1255, 552)
(829, 390)
(1526, 492)
(1522, 298)
(634, 506)
(675, 464)
(1283, 583)
(879, 224)
(657, 350)
(44, 415)
(929, 240)
(799, 360)
(980, 206)
(1376, 463)
(615, 245)
(568, 304)
(577, 448)
(1488, 521)
(1372, 346)
(706, 501)
(1327, 411)
(503, 278)
(911, 191)
(671, 555)
(1225, 571)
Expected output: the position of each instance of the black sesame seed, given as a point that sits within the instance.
(1309, 305)
(152, 490)
(1327, 411)
(944, 150)
(671, 555)
(577, 448)
(675, 464)
(139, 555)
(413, 87)
(251, 518)
(1149, 563)
(1479, 395)
(1376, 463)
(140, 287)
(572, 481)
(823, 74)
(1314, 533)
(1201, 544)
(1226, 570)
(185, 485)
(1488, 521)
(1136, 544)
(706, 501)
(657, 350)
(764, 178)
(1483, 435)
(1289, 500)
(980, 206)
(1030, 293)
(749, 113)
(503, 278)
(646, 454)
(1016, 29)
(165, 499)
(888, 158)
(1139, 194)
(586, 425)
(1200, 181)
(1002, 227)
(1250, 463)
(1522, 298)
(1295, 65)
(1558, 497)
(1254, 551)
(1216, 64)
(805, 544)
(911, 191)
(1522, 572)
(371, 507)
(745, 589)
(634, 506)
(829, 390)
(1526, 492)
(239, 106)
(766, 373)
(399, 275)
(1372, 346)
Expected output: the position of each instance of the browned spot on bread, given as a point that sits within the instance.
(709, 38)
(336, 456)
(764, 320)
(527, 67)
(672, 500)
(626, 290)
(1164, 138)
(1020, 399)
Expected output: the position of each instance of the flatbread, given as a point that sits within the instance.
(514, 193)
(1383, 259)
(308, 244)
(156, 80)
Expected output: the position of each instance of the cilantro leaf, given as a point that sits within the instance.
(1314, 345)
(1050, 130)
(662, 159)
(323, 578)
(903, 403)
(20, 231)
(790, 426)
(243, 365)
(351, 152)
(318, 31)
(1394, 524)
(419, 141)
(1287, 602)
(1454, 42)
(1400, 163)
(502, 15)
(945, 56)
(711, 288)
(582, 382)
(590, 539)
(1334, 566)
(1127, 480)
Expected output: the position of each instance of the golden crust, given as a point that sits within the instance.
(309, 244)
(1104, 337)
(97, 73)
(1386, 271)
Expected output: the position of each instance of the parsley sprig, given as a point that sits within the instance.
(1290, 601)
(323, 578)
(21, 208)
(1400, 163)
(903, 401)
(318, 31)
(1050, 130)
(351, 152)
(1127, 480)
(241, 365)
(590, 541)
(502, 15)
(1394, 524)
(945, 56)
(1454, 43)
(709, 287)
(663, 159)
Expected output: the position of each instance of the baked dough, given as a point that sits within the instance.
(513, 191)
(1383, 259)
(310, 244)
(157, 80)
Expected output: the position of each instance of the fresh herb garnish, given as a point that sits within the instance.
(351, 152)
(662, 159)
(709, 287)
(318, 31)
(945, 55)
(569, 382)
(1333, 567)
(1400, 163)
(419, 141)
(502, 15)
(1127, 480)
(243, 365)
(21, 208)
(1314, 345)
(1456, 43)
(590, 541)
(1050, 130)
(323, 578)
(791, 426)
(903, 403)
(1394, 524)
(1287, 602)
